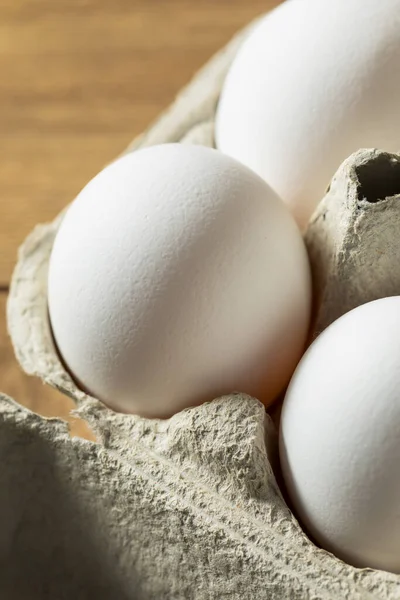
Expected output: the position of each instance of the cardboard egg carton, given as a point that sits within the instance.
(189, 507)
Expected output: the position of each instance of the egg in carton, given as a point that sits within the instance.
(187, 507)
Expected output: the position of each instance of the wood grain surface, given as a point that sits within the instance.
(79, 79)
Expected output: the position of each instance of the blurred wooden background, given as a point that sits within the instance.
(78, 80)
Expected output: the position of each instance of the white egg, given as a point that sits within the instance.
(177, 275)
(340, 437)
(315, 81)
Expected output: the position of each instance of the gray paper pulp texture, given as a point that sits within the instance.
(186, 508)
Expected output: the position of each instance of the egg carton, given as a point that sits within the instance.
(189, 507)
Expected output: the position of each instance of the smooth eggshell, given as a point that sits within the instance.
(177, 275)
(340, 437)
(315, 81)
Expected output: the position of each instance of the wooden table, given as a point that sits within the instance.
(79, 79)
